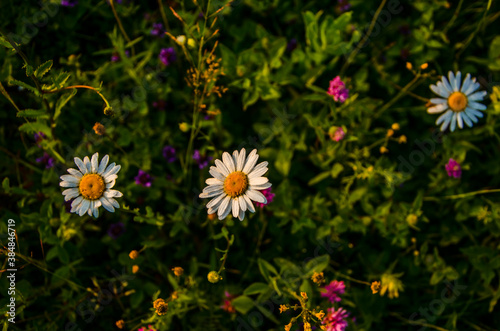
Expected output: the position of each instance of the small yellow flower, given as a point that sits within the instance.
(212, 217)
(162, 308)
(288, 327)
(157, 302)
(318, 278)
(414, 240)
(303, 295)
(307, 326)
(175, 295)
(99, 129)
(320, 315)
(390, 133)
(133, 254)
(412, 219)
(392, 285)
(283, 308)
(135, 268)
(369, 169)
(120, 324)
(375, 287)
(184, 127)
(322, 327)
(383, 150)
(191, 43)
(409, 66)
(416, 253)
(213, 277)
(424, 66)
(181, 40)
(402, 139)
(178, 271)
(395, 126)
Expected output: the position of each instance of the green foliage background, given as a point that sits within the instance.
(340, 207)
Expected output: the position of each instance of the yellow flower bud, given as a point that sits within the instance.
(213, 277)
(133, 254)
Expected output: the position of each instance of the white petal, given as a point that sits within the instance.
(441, 118)
(106, 204)
(250, 206)
(437, 109)
(235, 207)
(70, 193)
(453, 81)
(79, 163)
(241, 160)
(251, 161)
(242, 203)
(453, 122)
(114, 202)
(241, 216)
(110, 178)
(75, 173)
(68, 184)
(438, 101)
(91, 208)
(256, 196)
(216, 173)
(215, 201)
(108, 169)
(446, 118)
(224, 215)
(258, 170)
(97, 204)
(458, 80)
(258, 180)
(439, 90)
(214, 181)
(466, 119)
(113, 194)
(70, 178)
(212, 188)
(221, 167)
(473, 112)
(473, 86)
(103, 164)
(228, 162)
(112, 171)
(466, 84)
(235, 160)
(88, 165)
(476, 105)
(95, 162)
(446, 84)
(224, 206)
(260, 187)
(84, 207)
(478, 96)
(110, 184)
(460, 122)
(212, 194)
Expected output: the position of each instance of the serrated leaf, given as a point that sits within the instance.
(23, 84)
(43, 69)
(32, 113)
(29, 70)
(63, 100)
(5, 43)
(35, 127)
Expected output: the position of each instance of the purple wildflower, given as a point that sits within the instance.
(116, 57)
(115, 230)
(335, 320)
(337, 90)
(343, 5)
(39, 137)
(69, 3)
(47, 160)
(334, 290)
(167, 56)
(169, 154)
(201, 161)
(292, 44)
(338, 135)
(143, 178)
(453, 169)
(158, 30)
(269, 196)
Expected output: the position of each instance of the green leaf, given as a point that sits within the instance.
(256, 288)
(5, 43)
(250, 97)
(35, 127)
(33, 113)
(266, 268)
(243, 304)
(24, 85)
(43, 69)
(63, 100)
(6, 184)
(336, 170)
(317, 264)
(63, 255)
(322, 176)
(29, 70)
(136, 299)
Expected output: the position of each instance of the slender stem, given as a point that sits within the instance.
(112, 3)
(163, 15)
(460, 196)
(352, 279)
(365, 38)
(5, 94)
(398, 96)
(455, 15)
(417, 322)
(77, 87)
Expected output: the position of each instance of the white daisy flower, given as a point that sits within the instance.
(237, 181)
(91, 186)
(458, 104)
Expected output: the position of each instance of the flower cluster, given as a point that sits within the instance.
(338, 90)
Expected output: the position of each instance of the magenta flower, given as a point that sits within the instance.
(337, 90)
(158, 30)
(338, 135)
(343, 5)
(167, 56)
(144, 179)
(115, 57)
(269, 196)
(69, 3)
(454, 169)
(149, 328)
(334, 290)
(335, 320)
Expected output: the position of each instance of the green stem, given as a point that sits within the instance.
(112, 3)
(5, 94)
(398, 96)
(77, 87)
(365, 38)
(460, 196)
(163, 15)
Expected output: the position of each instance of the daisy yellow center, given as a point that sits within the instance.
(457, 101)
(92, 186)
(235, 184)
